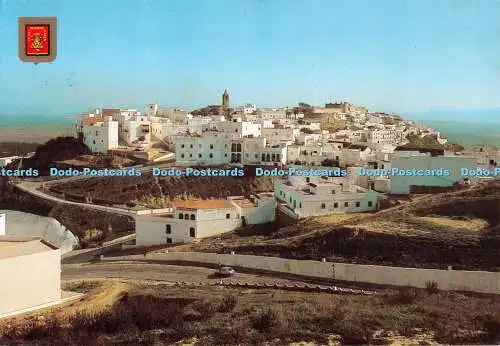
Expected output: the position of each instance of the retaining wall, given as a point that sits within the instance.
(474, 281)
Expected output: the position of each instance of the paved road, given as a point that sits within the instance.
(32, 188)
(147, 271)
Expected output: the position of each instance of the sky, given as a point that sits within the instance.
(393, 55)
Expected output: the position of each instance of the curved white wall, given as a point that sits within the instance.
(31, 225)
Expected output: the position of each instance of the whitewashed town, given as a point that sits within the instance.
(339, 134)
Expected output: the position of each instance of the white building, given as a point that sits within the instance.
(238, 128)
(208, 149)
(279, 135)
(401, 184)
(136, 131)
(98, 133)
(31, 272)
(355, 156)
(271, 113)
(190, 220)
(310, 196)
(249, 108)
(385, 136)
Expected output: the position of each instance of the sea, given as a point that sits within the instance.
(34, 129)
(465, 127)
(471, 131)
(467, 134)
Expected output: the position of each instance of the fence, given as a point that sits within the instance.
(474, 281)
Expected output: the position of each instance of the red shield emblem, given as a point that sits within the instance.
(37, 38)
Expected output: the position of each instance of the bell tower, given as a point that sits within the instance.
(225, 99)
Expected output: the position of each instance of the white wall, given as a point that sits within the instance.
(2, 224)
(204, 150)
(264, 212)
(30, 225)
(307, 204)
(151, 230)
(29, 281)
(401, 184)
(474, 281)
(101, 138)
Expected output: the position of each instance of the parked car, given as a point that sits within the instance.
(225, 271)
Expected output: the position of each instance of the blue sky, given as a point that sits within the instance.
(402, 56)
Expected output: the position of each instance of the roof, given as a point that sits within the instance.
(204, 204)
(243, 203)
(110, 111)
(22, 246)
(92, 120)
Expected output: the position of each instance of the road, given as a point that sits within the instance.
(157, 272)
(32, 188)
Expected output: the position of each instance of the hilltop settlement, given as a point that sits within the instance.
(336, 159)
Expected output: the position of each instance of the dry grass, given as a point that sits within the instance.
(118, 313)
(472, 225)
(328, 220)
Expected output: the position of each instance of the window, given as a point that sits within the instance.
(300, 205)
(199, 155)
(335, 205)
(211, 155)
(193, 217)
(168, 229)
(169, 240)
(346, 204)
(357, 204)
(181, 216)
(308, 180)
(182, 145)
(190, 155)
(182, 155)
(256, 156)
(186, 216)
(211, 146)
(370, 203)
(333, 192)
(225, 155)
(191, 146)
(192, 233)
(228, 216)
(323, 205)
(93, 141)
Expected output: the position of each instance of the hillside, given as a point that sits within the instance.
(153, 191)
(460, 229)
(58, 149)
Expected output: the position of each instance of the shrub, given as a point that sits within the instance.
(404, 295)
(228, 303)
(266, 320)
(431, 287)
(491, 325)
(204, 307)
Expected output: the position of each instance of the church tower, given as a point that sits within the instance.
(225, 100)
